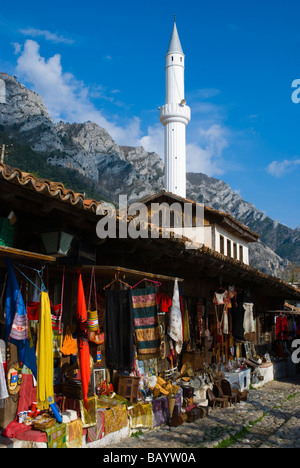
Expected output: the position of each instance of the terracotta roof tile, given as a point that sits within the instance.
(47, 187)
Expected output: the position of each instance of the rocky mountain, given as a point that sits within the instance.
(106, 170)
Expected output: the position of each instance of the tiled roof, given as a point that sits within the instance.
(207, 209)
(55, 190)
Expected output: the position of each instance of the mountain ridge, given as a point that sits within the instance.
(109, 170)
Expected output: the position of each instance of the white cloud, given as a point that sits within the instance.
(65, 97)
(281, 168)
(205, 154)
(17, 48)
(48, 35)
(70, 100)
(154, 140)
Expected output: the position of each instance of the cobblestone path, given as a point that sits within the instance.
(269, 419)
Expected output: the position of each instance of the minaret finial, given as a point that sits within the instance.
(175, 18)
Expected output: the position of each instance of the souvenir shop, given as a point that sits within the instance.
(93, 355)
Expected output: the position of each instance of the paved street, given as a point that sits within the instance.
(269, 419)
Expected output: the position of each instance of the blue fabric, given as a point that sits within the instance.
(13, 301)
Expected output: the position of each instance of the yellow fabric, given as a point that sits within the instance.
(186, 325)
(74, 434)
(115, 418)
(45, 388)
(141, 416)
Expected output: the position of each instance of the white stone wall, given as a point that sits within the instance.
(219, 231)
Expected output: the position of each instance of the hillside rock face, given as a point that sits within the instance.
(91, 151)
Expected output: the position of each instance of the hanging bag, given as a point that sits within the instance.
(19, 328)
(92, 315)
(70, 344)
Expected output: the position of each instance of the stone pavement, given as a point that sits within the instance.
(269, 419)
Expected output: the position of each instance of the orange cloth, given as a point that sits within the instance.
(69, 345)
(82, 341)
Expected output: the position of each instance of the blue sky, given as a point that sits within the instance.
(104, 61)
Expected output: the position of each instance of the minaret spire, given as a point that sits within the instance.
(175, 115)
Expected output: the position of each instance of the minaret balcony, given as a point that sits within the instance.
(174, 112)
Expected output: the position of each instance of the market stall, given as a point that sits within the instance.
(103, 352)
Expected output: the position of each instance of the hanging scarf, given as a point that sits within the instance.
(175, 327)
(144, 302)
(186, 323)
(45, 390)
(199, 320)
(14, 300)
(82, 341)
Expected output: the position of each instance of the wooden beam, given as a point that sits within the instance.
(128, 272)
(11, 252)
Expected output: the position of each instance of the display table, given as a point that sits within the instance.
(243, 378)
(266, 371)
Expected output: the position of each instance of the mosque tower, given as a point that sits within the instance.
(175, 115)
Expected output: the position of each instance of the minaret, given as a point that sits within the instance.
(175, 115)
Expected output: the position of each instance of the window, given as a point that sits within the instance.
(241, 253)
(221, 244)
(234, 251)
(228, 248)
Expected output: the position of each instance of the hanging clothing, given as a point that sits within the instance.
(232, 296)
(199, 320)
(119, 330)
(144, 302)
(45, 390)
(225, 322)
(164, 302)
(186, 323)
(221, 298)
(14, 300)
(222, 301)
(282, 331)
(82, 342)
(3, 387)
(175, 326)
(249, 323)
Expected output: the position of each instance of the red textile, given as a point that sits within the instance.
(82, 340)
(164, 302)
(27, 394)
(33, 310)
(18, 431)
(282, 331)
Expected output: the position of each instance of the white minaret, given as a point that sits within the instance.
(175, 115)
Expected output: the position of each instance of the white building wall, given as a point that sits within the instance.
(219, 231)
